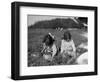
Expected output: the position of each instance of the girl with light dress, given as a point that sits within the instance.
(67, 45)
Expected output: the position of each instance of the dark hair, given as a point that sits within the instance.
(67, 36)
(48, 40)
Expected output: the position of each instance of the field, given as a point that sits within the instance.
(35, 37)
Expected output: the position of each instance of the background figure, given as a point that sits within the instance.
(67, 45)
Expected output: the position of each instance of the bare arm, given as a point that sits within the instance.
(44, 46)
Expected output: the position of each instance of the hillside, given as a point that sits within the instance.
(58, 22)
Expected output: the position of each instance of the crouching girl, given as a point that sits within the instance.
(67, 45)
(49, 47)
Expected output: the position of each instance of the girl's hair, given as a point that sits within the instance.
(48, 40)
(67, 36)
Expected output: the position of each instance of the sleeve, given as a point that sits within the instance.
(62, 46)
(73, 46)
(54, 49)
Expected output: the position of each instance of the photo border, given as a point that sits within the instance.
(15, 40)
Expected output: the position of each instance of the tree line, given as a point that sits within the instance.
(60, 22)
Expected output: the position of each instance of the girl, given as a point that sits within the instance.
(49, 47)
(67, 45)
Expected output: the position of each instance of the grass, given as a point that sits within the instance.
(35, 37)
